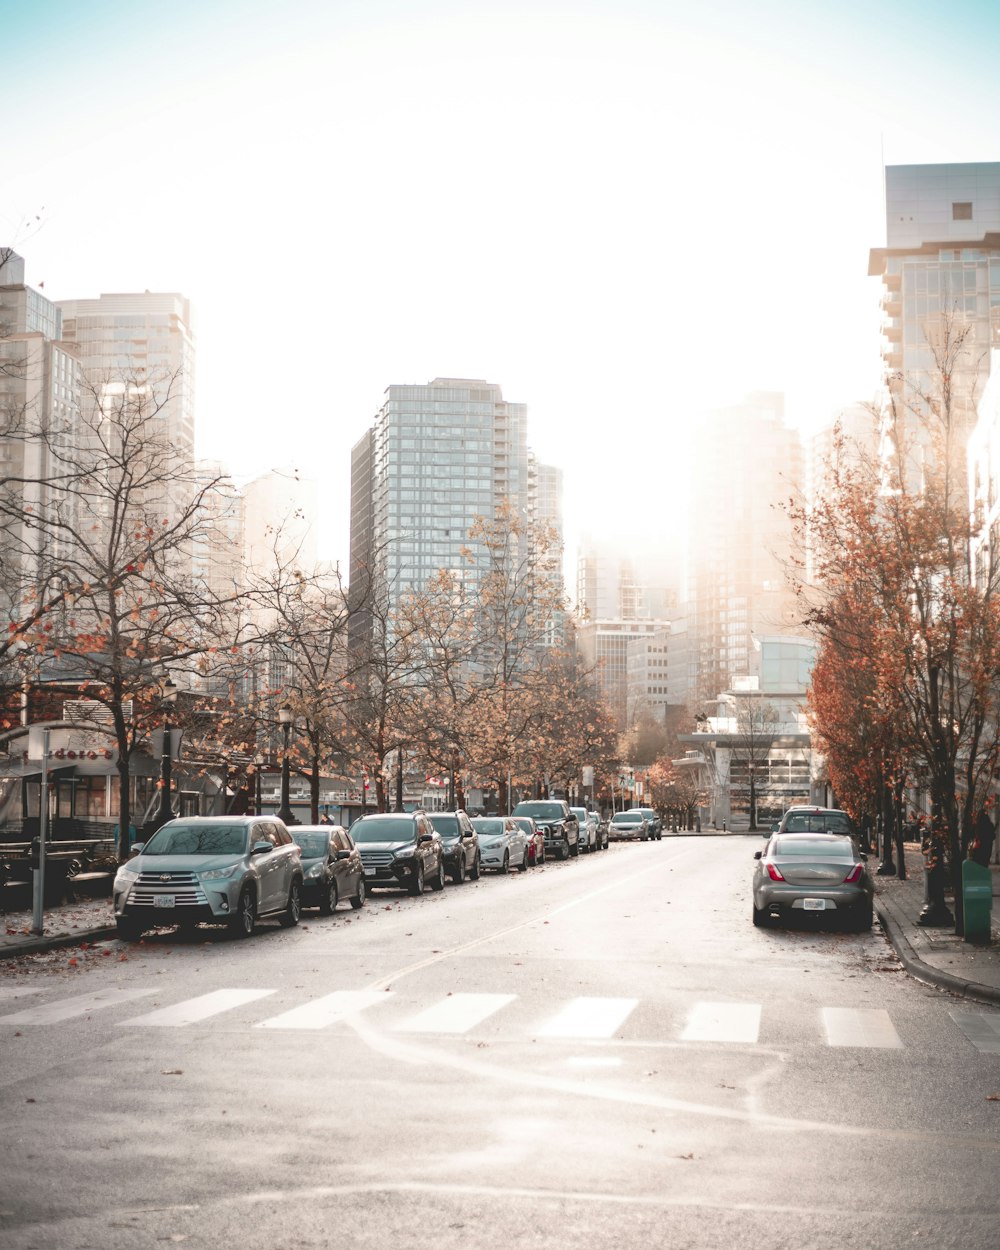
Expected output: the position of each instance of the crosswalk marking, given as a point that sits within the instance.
(589, 1018)
(194, 1010)
(722, 1022)
(983, 1031)
(67, 1008)
(457, 1014)
(17, 991)
(854, 1026)
(326, 1010)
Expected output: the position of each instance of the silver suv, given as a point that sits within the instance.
(228, 870)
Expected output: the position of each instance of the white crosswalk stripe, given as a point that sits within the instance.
(853, 1026)
(722, 1022)
(67, 1008)
(17, 991)
(982, 1030)
(194, 1010)
(457, 1013)
(589, 1018)
(327, 1010)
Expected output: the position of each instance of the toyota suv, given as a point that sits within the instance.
(400, 849)
(560, 827)
(231, 870)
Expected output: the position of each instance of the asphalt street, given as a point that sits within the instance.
(597, 1053)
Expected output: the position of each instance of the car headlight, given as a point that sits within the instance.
(125, 877)
(407, 854)
(217, 874)
(315, 871)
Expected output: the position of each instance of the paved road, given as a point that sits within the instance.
(600, 1053)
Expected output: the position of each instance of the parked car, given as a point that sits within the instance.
(558, 824)
(590, 837)
(331, 867)
(629, 826)
(502, 843)
(655, 823)
(814, 820)
(536, 840)
(232, 870)
(800, 874)
(400, 849)
(603, 836)
(462, 857)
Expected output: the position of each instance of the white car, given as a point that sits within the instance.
(627, 826)
(503, 844)
(590, 836)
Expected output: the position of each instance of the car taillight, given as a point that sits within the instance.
(854, 875)
(774, 873)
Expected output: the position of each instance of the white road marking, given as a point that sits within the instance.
(192, 1010)
(854, 1026)
(457, 1014)
(327, 1010)
(982, 1030)
(67, 1008)
(722, 1022)
(589, 1017)
(17, 991)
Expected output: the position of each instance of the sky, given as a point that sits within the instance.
(625, 212)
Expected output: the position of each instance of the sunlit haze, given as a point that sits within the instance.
(623, 213)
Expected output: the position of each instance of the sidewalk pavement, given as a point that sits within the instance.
(936, 956)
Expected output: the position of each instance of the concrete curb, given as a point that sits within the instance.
(926, 972)
(39, 945)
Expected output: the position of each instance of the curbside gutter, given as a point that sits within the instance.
(923, 971)
(39, 945)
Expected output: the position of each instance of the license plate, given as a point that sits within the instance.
(814, 904)
(370, 872)
(164, 900)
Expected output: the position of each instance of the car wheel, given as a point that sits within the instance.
(243, 922)
(523, 866)
(761, 919)
(358, 901)
(506, 862)
(128, 930)
(564, 850)
(289, 918)
(867, 918)
(329, 900)
(574, 850)
(458, 876)
(476, 868)
(416, 886)
(437, 882)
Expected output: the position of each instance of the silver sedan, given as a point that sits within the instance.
(802, 874)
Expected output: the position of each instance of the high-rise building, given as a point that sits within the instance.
(436, 458)
(141, 338)
(40, 379)
(279, 526)
(940, 272)
(746, 463)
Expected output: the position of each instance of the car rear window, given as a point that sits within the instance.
(198, 840)
(818, 822)
(815, 848)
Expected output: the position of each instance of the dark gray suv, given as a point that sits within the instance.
(400, 849)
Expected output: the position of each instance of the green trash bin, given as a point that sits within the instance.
(977, 901)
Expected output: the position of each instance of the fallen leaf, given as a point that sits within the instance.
(172, 1072)
(29, 1100)
(993, 1097)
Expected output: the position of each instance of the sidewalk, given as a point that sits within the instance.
(87, 920)
(936, 956)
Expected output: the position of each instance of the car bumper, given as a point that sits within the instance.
(393, 876)
(803, 900)
(205, 903)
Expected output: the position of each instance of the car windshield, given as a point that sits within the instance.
(626, 818)
(485, 825)
(198, 840)
(313, 844)
(447, 825)
(383, 829)
(814, 848)
(540, 810)
(818, 822)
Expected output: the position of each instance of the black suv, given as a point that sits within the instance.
(461, 844)
(560, 827)
(400, 849)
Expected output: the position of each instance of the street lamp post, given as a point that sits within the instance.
(168, 699)
(285, 717)
(258, 765)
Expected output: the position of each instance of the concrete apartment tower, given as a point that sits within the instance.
(746, 461)
(940, 273)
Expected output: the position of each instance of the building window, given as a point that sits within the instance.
(962, 211)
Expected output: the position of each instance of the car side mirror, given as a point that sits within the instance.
(343, 854)
(136, 848)
(758, 854)
(864, 858)
(261, 848)
(425, 837)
